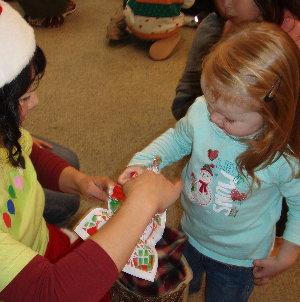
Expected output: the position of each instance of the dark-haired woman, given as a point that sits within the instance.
(37, 261)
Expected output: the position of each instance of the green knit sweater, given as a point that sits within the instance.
(154, 9)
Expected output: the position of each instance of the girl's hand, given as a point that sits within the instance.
(265, 269)
(151, 189)
(130, 172)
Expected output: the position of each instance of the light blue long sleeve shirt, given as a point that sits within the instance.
(222, 219)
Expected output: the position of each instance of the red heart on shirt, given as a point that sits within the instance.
(213, 154)
(237, 196)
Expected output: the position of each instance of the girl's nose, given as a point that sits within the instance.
(33, 100)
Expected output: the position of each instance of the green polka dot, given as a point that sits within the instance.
(11, 192)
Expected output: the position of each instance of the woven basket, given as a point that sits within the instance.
(119, 293)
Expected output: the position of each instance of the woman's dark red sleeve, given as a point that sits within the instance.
(48, 167)
(85, 274)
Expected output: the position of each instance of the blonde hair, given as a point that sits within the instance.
(258, 65)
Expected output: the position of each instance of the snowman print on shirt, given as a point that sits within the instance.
(226, 194)
(200, 190)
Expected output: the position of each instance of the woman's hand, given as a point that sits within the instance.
(152, 189)
(74, 181)
(131, 172)
(146, 194)
(95, 186)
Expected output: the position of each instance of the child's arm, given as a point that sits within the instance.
(265, 269)
(288, 253)
(171, 146)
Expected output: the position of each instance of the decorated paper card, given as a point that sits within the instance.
(93, 221)
(144, 259)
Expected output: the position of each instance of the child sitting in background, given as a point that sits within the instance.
(243, 137)
(151, 20)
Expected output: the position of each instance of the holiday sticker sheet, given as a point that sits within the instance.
(143, 262)
(92, 222)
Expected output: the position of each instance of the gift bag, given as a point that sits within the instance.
(172, 278)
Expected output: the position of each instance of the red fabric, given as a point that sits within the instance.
(79, 272)
(85, 274)
(59, 244)
(48, 167)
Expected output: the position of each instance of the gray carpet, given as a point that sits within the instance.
(106, 103)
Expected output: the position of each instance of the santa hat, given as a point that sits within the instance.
(17, 43)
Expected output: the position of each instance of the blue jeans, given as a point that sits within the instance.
(224, 282)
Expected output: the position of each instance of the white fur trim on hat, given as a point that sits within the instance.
(17, 43)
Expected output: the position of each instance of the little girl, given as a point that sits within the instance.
(243, 138)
